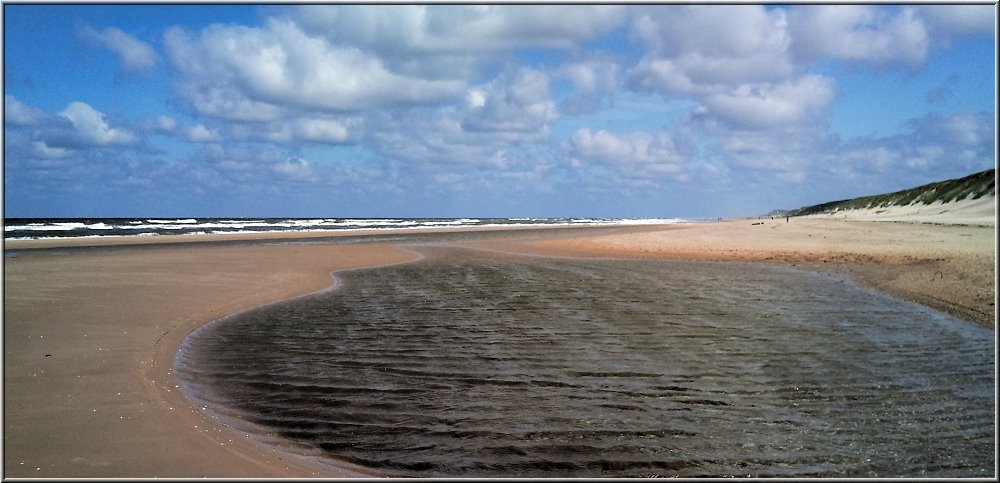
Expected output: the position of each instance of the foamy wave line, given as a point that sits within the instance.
(191, 226)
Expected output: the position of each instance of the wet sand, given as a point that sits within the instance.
(89, 336)
(950, 267)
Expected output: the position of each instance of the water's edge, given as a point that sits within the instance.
(241, 427)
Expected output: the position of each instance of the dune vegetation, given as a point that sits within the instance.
(971, 187)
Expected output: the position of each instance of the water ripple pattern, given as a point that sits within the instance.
(476, 364)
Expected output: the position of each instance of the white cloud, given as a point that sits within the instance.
(714, 31)
(956, 20)
(318, 129)
(961, 130)
(664, 75)
(487, 140)
(322, 130)
(594, 80)
(443, 29)
(946, 146)
(858, 33)
(455, 42)
(592, 76)
(135, 55)
(518, 104)
(697, 49)
(702, 51)
(295, 169)
(476, 98)
(246, 73)
(640, 153)
(166, 123)
(753, 153)
(45, 151)
(201, 134)
(770, 105)
(91, 128)
(19, 113)
(785, 152)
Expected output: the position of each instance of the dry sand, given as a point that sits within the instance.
(89, 336)
(89, 339)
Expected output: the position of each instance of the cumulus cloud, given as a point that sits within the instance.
(59, 149)
(752, 152)
(316, 129)
(458, 28)
(294, 169)
(491, 129)
(934, 147)
(449, 42)
(247, 166)
(43, 150)
(769, 105)
(479, 147)
(788, 153)
(248, 73)
(592, 76)
(86, 127)
(705, 50)
(519, 104)
(858, 33)
(955, 20)
(19, 113)
(962, 131)
(134, 54)
(442, 99)
(323, 130)
(635, 153)
(201, 134)
(699, 48)
(593, 80)
(717, 30)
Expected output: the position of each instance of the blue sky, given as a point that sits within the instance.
(516, 110)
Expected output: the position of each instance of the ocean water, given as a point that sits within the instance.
(468, 363)
(34, 228)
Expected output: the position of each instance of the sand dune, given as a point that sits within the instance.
(965, 212)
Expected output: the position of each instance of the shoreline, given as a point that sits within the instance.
(171, 240)
(82, 396)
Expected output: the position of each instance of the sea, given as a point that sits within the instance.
(39, 228)
(474, 363)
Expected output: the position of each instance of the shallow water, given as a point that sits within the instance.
(469, 363)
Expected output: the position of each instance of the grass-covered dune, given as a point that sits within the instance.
(971, 187)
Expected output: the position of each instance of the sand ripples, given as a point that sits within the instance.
(478, 364)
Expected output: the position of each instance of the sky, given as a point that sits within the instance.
(626, 111)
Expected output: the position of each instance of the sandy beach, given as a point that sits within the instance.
(89, 335)
(89, 339)
(950, 267)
